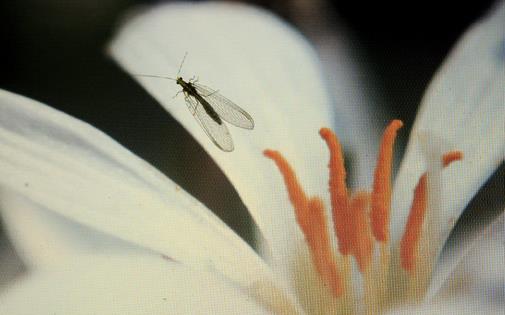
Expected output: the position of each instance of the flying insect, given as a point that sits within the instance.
(211, 110)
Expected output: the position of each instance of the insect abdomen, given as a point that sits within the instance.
(210, 111)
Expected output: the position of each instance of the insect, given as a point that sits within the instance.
(211, 110)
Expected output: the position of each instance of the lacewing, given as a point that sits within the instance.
(211, 110)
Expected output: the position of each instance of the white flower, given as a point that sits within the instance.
(103, 232)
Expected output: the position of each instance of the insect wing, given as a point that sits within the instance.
(226, 109)
(218, 133)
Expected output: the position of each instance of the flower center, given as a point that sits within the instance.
(360, 220)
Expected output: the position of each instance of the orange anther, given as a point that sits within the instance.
(296, 194)
(413, 228)
(319, 243)
(362, 239)
(452, 156)
(381, 195)
(312, 221)
(342, 220)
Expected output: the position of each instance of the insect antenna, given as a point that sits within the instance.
(182, 62)
(164, 77)
(153, 76)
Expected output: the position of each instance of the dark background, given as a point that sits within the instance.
(52, 51)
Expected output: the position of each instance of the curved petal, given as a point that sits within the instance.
(477, 285)
(358, 117)
(479, 269)
(464, 108)
(81, 176)
(131, 285)
(463, 305)
(261, 64)
(45, 238)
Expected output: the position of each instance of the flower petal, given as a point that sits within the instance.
(477, 285)
(10, 263)
(464, 107)
(474, 266)
(259, 62)
(130, 285)
(358, 118)
(45, 238)
(463, 305)
(78, 174)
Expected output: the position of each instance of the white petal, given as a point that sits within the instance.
(479, 270)
(433, 234)
(464, 106)
(10, 263)
(126, 286)
(72, 170)
(463, 305)
(45, 238)
(477, 285)
(358, 118)
(264, 66)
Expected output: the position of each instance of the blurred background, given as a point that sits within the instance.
(53, 51)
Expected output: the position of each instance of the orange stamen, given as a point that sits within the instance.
(381, 195)
(296, 194)
(452, 156)
(319, 242)
(410, 240)
(412, 234)
(311, 219)
(362, 233)
(338, 192)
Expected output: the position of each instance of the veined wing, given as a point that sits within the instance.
(218, 133)
(226, 109)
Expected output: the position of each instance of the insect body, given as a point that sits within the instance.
(210, 109)
(189, 90)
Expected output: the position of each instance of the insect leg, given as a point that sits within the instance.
(194, 79)
(177, 94)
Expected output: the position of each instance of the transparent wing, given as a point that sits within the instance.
(225, 108)
(217, 133)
